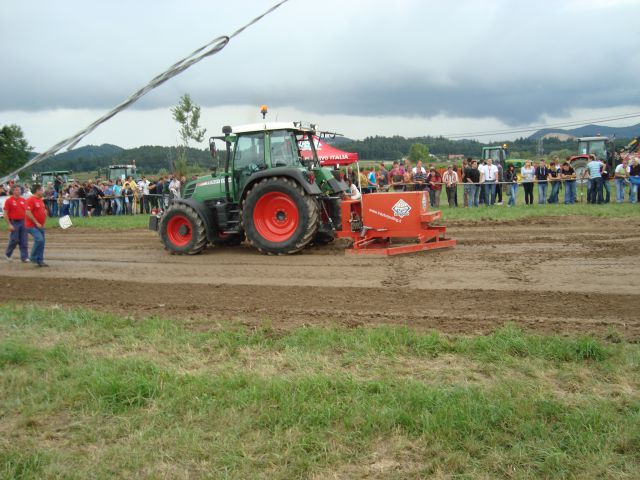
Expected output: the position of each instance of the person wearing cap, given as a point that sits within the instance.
(36, 216)
(14, 214)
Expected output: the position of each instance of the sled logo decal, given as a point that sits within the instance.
(401, 209)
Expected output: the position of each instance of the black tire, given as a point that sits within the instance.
(228, 240)
(324, 238)
(182, 230)
(302, 231)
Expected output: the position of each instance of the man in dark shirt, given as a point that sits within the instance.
(541, 174)
(604, 174)
(634, 191)
(554, 180)
(568, 175)
(472, 179)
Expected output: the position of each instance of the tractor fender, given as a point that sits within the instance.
(206, 214)
(297, 175)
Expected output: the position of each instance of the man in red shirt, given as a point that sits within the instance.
(14, 213)
(36, 216)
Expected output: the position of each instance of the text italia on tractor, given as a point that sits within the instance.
(263, 189)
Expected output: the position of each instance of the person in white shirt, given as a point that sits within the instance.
(621, 175)
(354, 193)
(143, 188)
(174, 187)
(450, 180)
(490, 172)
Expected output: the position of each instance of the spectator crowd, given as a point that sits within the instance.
(107, 197)
(483, 182)
(478, 182)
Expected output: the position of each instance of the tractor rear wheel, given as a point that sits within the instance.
(279, 217)
(182, 230)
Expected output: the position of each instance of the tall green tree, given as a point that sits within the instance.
(14, 149)
(187, 115)
(418, 151)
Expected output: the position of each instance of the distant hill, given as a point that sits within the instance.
(591, 130)
(147, 158)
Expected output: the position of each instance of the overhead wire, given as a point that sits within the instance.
(213, 47)
(532, 128)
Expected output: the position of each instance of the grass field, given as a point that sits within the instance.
(87, 395)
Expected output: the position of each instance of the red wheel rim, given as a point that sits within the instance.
(179, 230)
(275, 216)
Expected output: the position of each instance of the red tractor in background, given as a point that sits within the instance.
(604, 149)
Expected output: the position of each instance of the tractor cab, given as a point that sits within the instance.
(56, 177)
(245, 153)
(497, 154)
(122, 172)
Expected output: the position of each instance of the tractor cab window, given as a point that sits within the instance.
(495, 155)
(284, 149)
(249, 154)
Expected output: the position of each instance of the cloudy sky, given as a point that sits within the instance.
(376, 67)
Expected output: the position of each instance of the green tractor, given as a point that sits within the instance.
(260, 189)
(500, 155)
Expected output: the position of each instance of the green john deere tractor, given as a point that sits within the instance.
(260, 189)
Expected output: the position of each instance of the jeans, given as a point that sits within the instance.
(117, 205)
(555, 189)
(620, 186)
(633, 193)
(474, 194)
(497, 194)
(452, 196)
(542, 193)
(434, 197)
(489, 191)
(513, 190)
(465, 195)
(607, 190)
(37, 251)
(595, 190)
(18, 238)
(569, 192)
(528, 193)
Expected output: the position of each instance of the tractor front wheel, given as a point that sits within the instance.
(182, 230)
(279, 217)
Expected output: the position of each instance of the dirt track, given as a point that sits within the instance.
(560, 275)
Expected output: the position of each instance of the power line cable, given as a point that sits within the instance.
(214, 46)
(538, 127)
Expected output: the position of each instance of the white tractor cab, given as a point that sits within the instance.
(58, 178)
(115, 172)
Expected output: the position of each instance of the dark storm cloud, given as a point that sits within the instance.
(409, 59)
